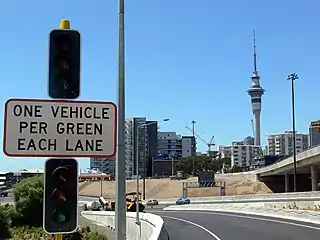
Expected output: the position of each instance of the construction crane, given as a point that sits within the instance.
(209, 144)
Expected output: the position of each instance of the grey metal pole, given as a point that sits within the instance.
(294, 139)
(101, 173)
(172, 172)
(147, 159)
(145, 172)
(137, 176)
(193, 122)
(120, 210)
(193, 169)
(292, 77)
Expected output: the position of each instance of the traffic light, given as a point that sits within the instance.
(64, 64)
(60, 209)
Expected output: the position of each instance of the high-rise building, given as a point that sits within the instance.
(282, 143)
(256, 92)
(314, 133)
(152, 145)
(172, 143)
(145, 138)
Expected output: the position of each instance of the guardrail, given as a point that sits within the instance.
(151, 226)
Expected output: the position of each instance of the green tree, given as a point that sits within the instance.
(236, 168)
(200, 163)
(222, 162)
(28, 197)
(225, 160)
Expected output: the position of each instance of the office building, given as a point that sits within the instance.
(282, 143)
(105, 165)
(240, 154)
(14, 177)
(172, 143)
(266, 160)
(314, 133)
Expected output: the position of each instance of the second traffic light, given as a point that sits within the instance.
(64, 64)
(60, 209)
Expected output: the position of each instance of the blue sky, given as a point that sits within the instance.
(185, 60)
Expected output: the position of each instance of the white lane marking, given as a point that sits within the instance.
(196, 225)
(249, 217)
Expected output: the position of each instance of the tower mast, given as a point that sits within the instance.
(256, 92)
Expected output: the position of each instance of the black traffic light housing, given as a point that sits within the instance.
(64, 64)
(60, 208)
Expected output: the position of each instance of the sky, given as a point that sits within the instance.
(185, 60)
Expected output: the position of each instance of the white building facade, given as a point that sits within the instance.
(240, 155)
(282, 143)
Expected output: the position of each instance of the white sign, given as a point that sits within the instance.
(59, 128)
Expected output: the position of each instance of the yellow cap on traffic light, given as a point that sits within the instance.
(64, 24)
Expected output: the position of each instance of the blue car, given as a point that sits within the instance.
(181, 201)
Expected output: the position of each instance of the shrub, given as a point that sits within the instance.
(5, 221)
(25, 218)
(28, 195)
(32, 233)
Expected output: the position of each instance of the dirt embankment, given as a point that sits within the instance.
(166, 188)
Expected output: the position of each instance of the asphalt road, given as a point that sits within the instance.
(185, 225)
(228, 226)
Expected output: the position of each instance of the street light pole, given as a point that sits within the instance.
(292, 77)
(144, 165)
(101, 173)
(137, 175)
(172, 165)
(193, 123)
(120, 208)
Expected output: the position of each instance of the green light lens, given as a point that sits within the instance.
(59, 217)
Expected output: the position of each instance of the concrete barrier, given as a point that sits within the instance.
(151, 226)
(273, 197)
(253, 209)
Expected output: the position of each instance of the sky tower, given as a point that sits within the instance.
(256, 92)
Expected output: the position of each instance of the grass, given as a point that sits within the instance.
(315, 208)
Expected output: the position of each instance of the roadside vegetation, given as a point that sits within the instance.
(294, 206)
(23, 221)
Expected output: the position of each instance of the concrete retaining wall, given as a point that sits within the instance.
(151, 227)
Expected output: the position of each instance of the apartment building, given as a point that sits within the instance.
(172, 143)
(282, 143)
(140, 145)
(242, 155)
